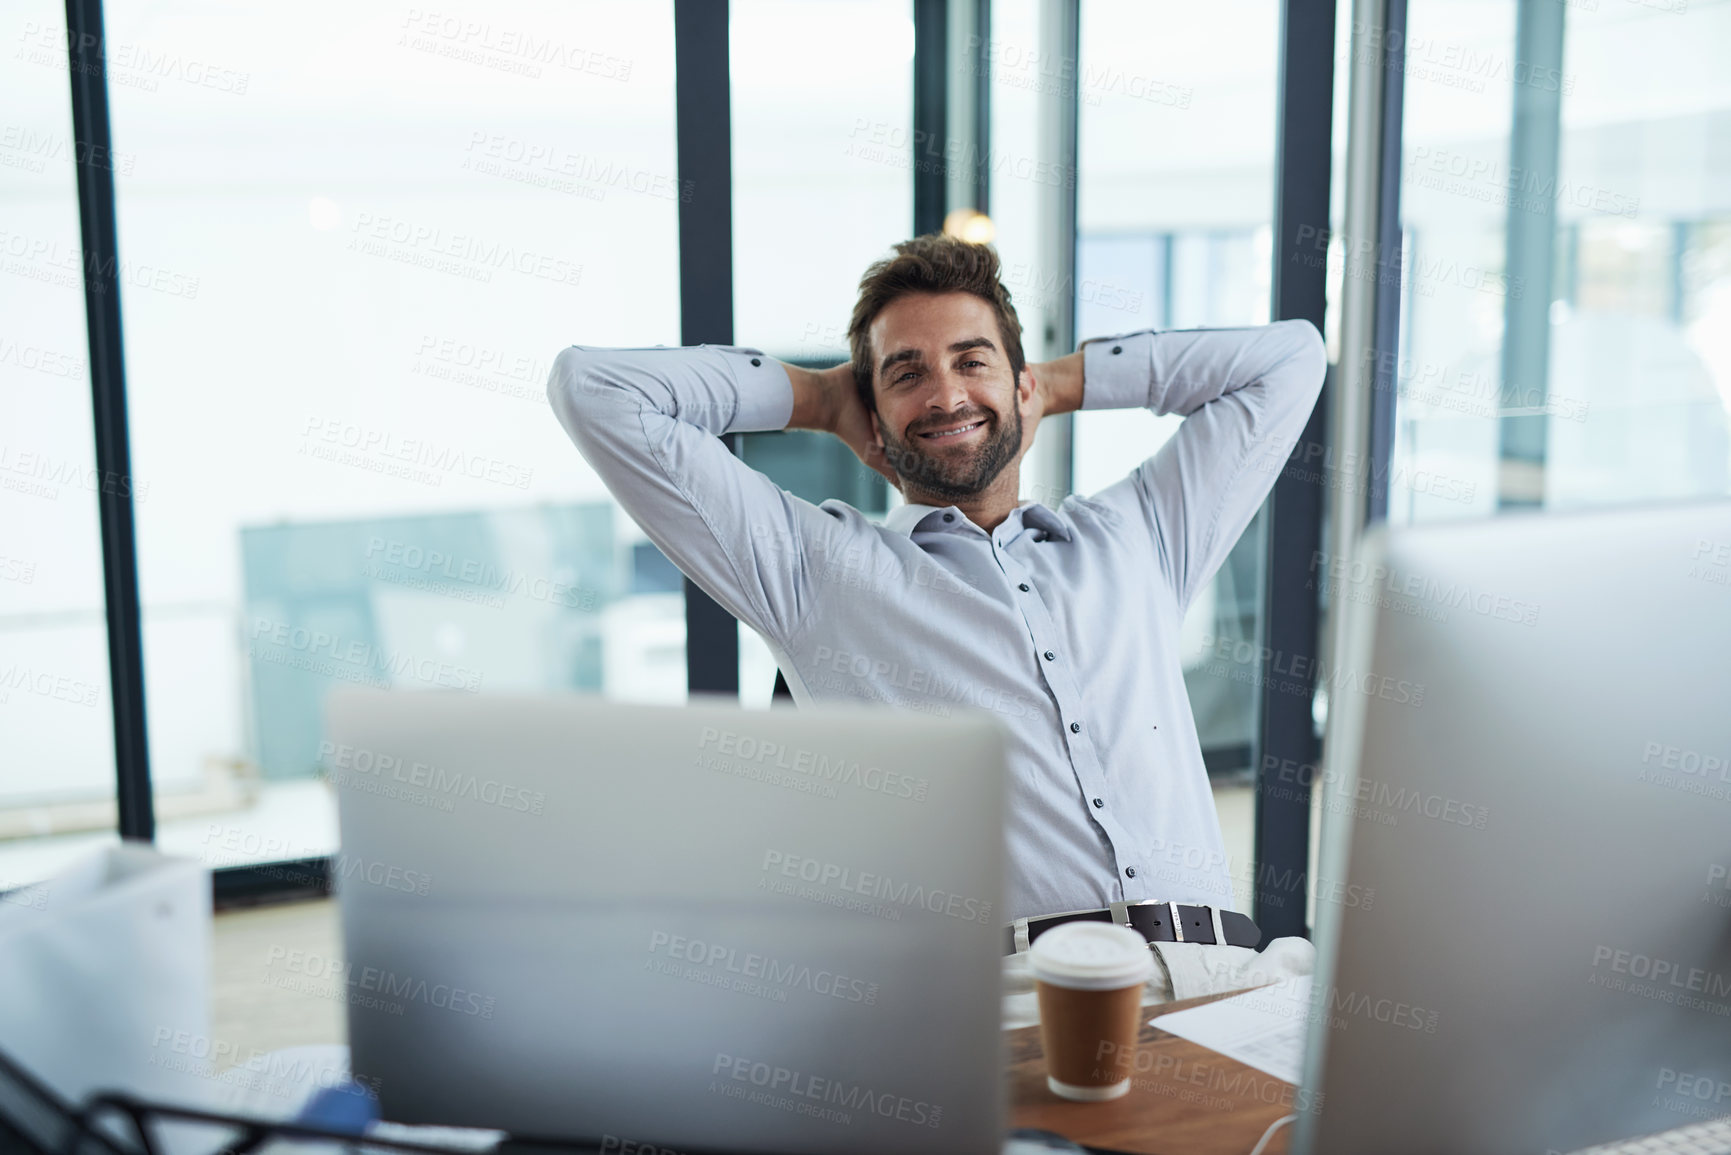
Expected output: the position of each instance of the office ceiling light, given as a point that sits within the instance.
(970, 225)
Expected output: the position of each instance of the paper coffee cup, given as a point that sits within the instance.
(1089, 978)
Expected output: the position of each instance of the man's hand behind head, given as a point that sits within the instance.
(826, 399)
(855, 425)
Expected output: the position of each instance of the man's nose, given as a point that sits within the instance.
(949, 392)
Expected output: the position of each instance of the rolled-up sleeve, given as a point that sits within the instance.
(1245, 395)
(649, 421)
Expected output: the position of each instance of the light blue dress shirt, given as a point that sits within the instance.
(1065, 622)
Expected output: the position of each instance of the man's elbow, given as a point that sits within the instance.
(1308, 361)
(577, 384)
(567, 371)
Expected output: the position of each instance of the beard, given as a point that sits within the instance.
(954, 474)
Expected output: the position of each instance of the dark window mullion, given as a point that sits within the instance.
(704, 143)
(88, 73)
(1291, 620)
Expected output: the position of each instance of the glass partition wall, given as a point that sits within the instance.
(1567, 223)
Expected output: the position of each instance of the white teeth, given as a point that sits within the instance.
(955, 432)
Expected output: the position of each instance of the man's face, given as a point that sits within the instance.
(948, 408)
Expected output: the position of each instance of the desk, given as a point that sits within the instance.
(1183, 1097)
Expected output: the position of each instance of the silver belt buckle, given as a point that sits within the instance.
(1020, 929)
(1177, 922)
(1120, 912)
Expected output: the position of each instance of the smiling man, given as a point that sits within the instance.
(1064, 621)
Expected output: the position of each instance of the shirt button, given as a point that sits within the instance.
(1129, 872)
(1075, 727)
(949, 517)
(1050, 656)
(1117, 348)
(1023, 587)
(1099, 803)
(755, 361)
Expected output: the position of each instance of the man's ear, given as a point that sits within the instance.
(1026, 386)
(877, 429)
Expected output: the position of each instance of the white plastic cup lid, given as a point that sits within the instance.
(1091, 956)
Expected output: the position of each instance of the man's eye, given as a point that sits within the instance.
(981, 364)
(904, 376)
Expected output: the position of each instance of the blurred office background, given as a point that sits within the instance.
(353, 238)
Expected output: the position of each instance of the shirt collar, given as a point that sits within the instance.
(1051, 521)
(905, 519)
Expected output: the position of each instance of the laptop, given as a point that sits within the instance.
(696, 927)
(1547, 829)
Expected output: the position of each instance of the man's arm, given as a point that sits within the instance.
(649, 422)
(1245, 395)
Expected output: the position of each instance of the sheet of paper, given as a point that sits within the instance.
(106, 974)
(1263, 1028)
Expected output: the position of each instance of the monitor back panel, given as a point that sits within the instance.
(1533, 763)
(696, 926)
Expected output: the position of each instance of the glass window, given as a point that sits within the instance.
(1602, 376)
(822, 143)
(822, 187)
(1023, 72)
(367, 235)
(1175, 210)
(56, 718)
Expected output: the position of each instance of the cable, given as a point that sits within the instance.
(1269, 1134)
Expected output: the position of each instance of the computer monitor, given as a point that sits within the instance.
(695, 927)
(1529, 761)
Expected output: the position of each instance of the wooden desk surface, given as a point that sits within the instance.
(1183, 1097)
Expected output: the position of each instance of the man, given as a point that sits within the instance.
(1064, 621)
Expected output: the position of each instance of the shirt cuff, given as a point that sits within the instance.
(765, 393)
(1118, 372)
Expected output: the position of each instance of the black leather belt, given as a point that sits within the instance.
(1155, 921)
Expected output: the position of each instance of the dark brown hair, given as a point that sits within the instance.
(934, 263)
